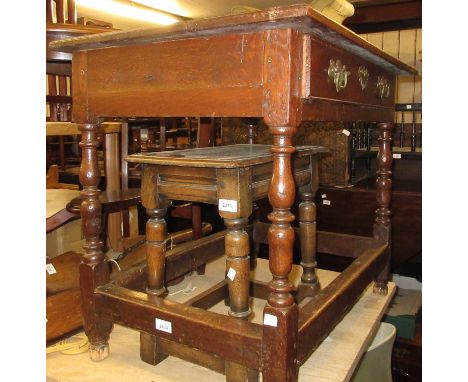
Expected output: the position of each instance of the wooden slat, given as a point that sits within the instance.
(71, 12)
(327, 242)
(191, 355)
(49, 10)
(407, 55)
(319, 316)
(210, 297)
(134, 309)
(181, 259)
(376, 39)
(60, 11)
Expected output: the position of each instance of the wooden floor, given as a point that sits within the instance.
(334, 360)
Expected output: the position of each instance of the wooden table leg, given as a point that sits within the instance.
(382, 223)
(309, 285)
(254, 245)
(238, 275)
(156, 236)
(280, 314)
(94, 271)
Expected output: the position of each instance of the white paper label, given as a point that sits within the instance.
(231, 274)
(327, 202)
(408, 106)
(397, 156)
(324, 196)
(164, 326)
(346, 132)
(50, 269)
(270, 320)
(227, 205)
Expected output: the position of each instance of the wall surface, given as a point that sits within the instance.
(406, 45)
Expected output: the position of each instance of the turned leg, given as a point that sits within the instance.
(309, 285)
(93, 269)
(382, 222)
(156, 236)
(238, 272)
(238, 267)
(254, 245)
(197, 231)
(280, 313)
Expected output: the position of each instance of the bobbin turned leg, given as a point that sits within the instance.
(93, 269)
(238, 277)
(280, 313)
(156, 236)
(238, 267)
(309, 285)
(254, 244)
(382, 223)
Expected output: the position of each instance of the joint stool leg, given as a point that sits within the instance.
(280, 315)
(156, 257)
(94, 271)
(238, 274)
(382, 222)
(309, 285)
(156, 236)
(149, 345)
(197, 232)
(238, 267)
(254, 245)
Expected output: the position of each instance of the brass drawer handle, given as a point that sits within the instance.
(363, 76)
(383, 88)
(338, 73)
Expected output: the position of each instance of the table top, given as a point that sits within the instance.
(230, 156)
(300, 17)
(334, 360)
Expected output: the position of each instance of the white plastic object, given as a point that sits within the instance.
(376, 364)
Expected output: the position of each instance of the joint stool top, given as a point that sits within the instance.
(230, 156)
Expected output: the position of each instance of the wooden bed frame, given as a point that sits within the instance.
(284, 65)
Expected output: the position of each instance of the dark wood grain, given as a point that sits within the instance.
(258, 64)
(301, 17)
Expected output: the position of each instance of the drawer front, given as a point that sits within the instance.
(342, 80)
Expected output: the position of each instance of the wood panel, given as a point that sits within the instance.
(322, 86)
(222, 73)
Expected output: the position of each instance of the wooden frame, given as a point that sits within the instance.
(259, 64)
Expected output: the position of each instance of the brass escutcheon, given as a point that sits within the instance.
(338, 73)
(363, 76)
(383, 88)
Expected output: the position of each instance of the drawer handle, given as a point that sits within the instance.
(383, 88)
(363, 76)
(338, 73)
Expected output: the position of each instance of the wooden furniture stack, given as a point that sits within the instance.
(284, 65)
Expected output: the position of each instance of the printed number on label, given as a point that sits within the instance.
(227, 205)
(163, 325)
